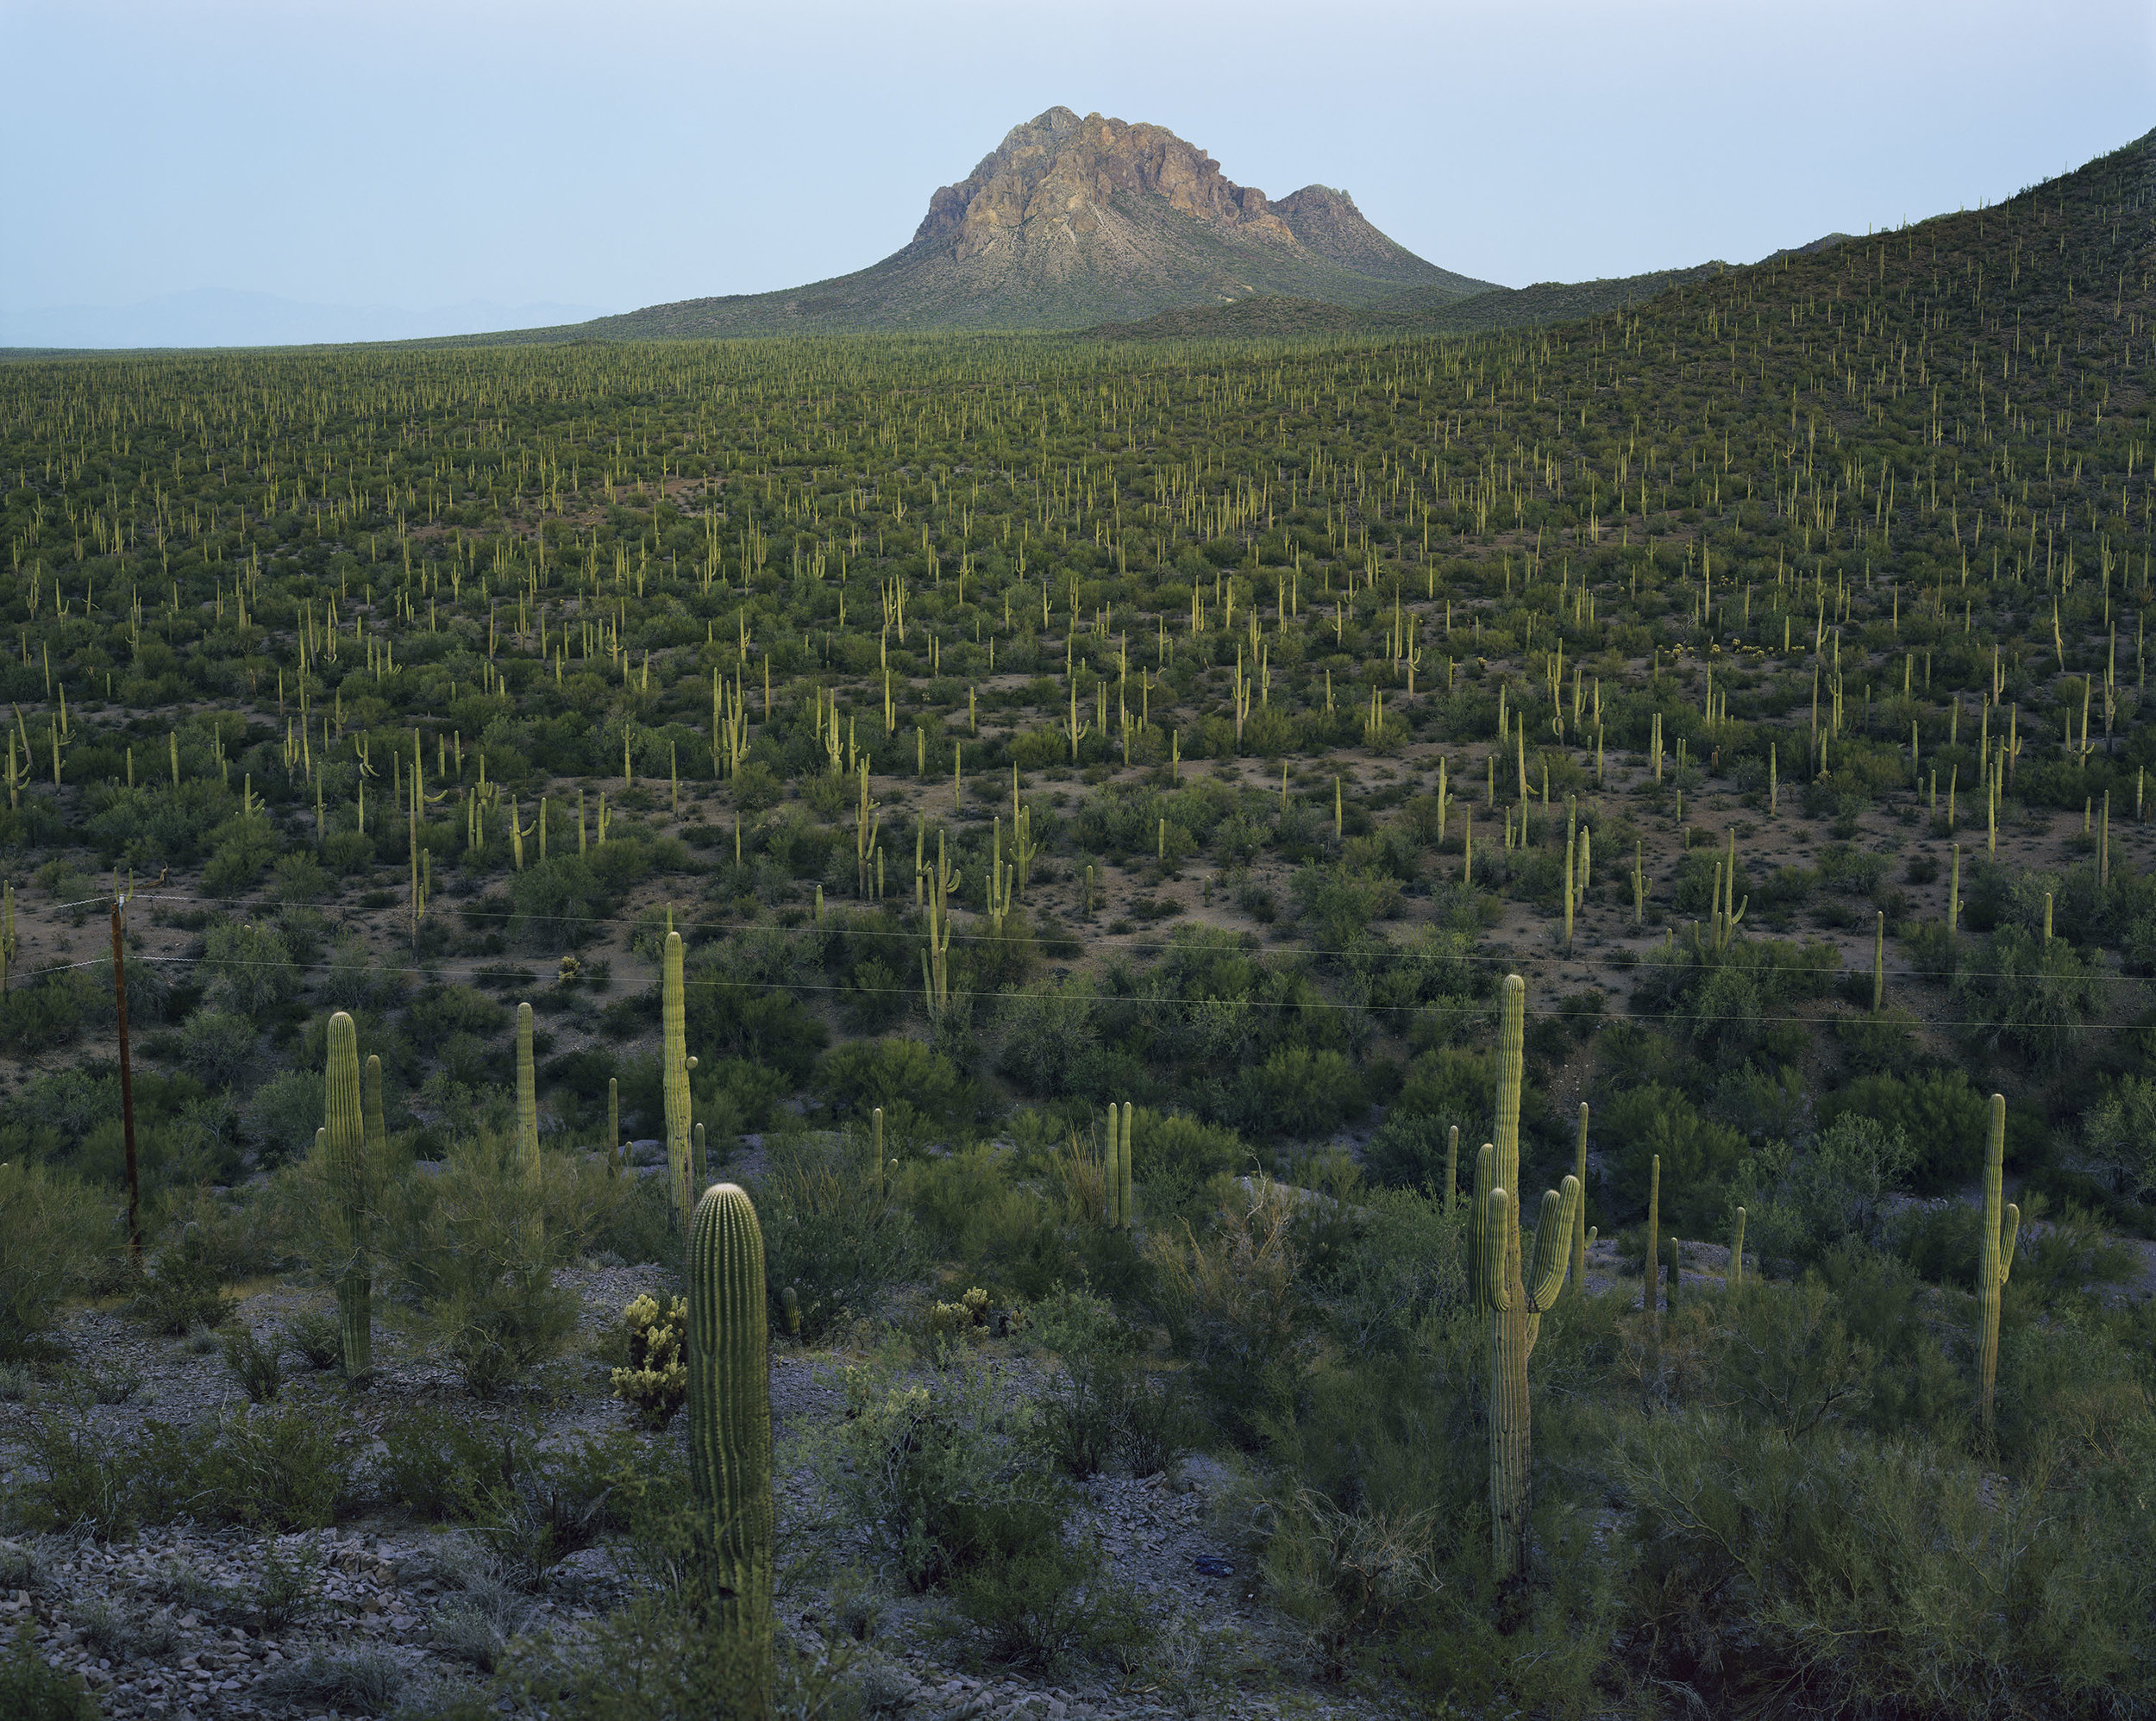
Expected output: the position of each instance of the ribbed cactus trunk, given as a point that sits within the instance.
(1579, 1224)
(527, 1096)
(371, 1104)
(613, 1118)
(1735, 1279)
(1513, 1300)
(1451, 1165)
(2002, 1224)
(1122, 1170)
(729, 1421)
(876, 1119)
(673, 1025)
(1651, 1259)
(1112, 1169)
(344, 1142)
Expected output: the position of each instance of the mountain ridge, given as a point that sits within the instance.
(1070, 222)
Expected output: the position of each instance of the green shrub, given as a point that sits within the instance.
(439, 1464)
(53, 1231)
(31, 1691)
(469, 1253)
(830, 1232)
(1699, 1157)
(184, 1287)
(1937, 1112)
(1234, 1304)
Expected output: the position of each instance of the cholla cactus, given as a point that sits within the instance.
(1513, 1302)
(729, 1418)
(344, 1142)
(656, 1380)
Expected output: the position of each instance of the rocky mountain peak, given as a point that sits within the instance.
(1063, 171)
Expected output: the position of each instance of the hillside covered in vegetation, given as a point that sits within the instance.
(873, 761)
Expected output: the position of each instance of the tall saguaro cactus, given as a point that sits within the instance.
(2002, 1224)
(674, 1050)
(1513, 1302)
(730, 1420)
(527, 1096)
(1579, 1223)
(1650, 1265)
(345, 1143)
(1122, 1171)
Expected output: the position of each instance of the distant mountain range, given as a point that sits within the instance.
(214, 316)
(1084, 226)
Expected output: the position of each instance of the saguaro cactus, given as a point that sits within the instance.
(674, 1050)
(1515, 1303)
(1735, 1279)
(2001, 1224)
(345, 1143)
(730, 1420)
(1451, 1164)
(1124, 1206)
(1651, 1263)
(527, 1096)
(371, 1103)
(1112, 1168)
(1579, 1224)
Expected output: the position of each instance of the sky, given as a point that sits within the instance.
(612, 155)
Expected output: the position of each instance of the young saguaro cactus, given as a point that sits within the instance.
(344, 1142)
(371, 1102)
(2002, 1224)
(673, 1032)
(1513, 1302)
(730, 1420)
(1579, 1224)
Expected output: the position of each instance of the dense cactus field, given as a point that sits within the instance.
(1700, 752)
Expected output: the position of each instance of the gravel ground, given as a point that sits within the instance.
(381, 1616)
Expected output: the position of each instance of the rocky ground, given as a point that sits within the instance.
(384, 1614)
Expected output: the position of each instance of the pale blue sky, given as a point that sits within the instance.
(393, 154)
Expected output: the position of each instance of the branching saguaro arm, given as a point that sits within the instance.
(2001, 1224)
(730, 1420)
(1514, 1294)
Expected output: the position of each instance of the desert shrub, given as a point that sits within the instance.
(1033, 1598)
(1850, 1569)
(247, 968)
(440, 1463)
(32, 1691)
(1343, 1575)
(1100, 1405)
(2119, 1137)
(2031, 993)
(829, 1231)
(215, 1046)
(1048, 1030)
(281, 1115)
(1408, 1152)
(313, 1334)
(1699, 1156)
(286, 1469)
(1798, 1206)
(1340, 901)
(943, 1474)
(253, 1361)
(921, 1094)
(363, 1681)
(52, 1232)
(1939, 1114)
(469, 1253)
(970, 1207)
(183, 1286)
(1174, 1156)
(1234, 1304)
